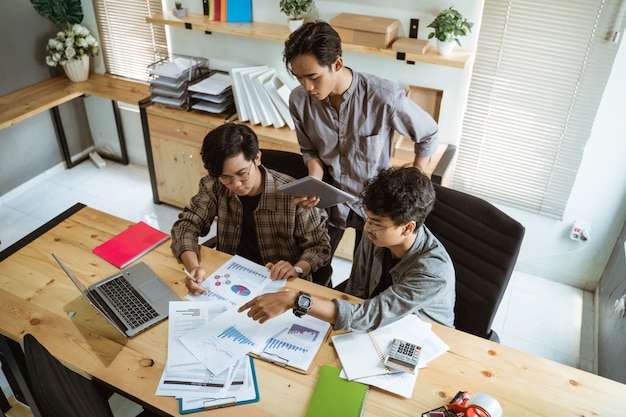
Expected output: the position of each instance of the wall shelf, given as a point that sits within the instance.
(269, 31)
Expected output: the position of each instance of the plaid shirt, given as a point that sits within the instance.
(284, 230)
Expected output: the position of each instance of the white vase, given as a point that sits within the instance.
(294, 24)
(77, 69)
(180, 12)
(445, 48)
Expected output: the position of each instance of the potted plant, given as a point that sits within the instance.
(449, 26)
(179, 10)
(73, 44)
(295, 11)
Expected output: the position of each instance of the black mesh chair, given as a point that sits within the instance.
(484, 244)
(289, 163)
(60, 392)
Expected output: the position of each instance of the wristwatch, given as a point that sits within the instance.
(303, 304)
(299, 271)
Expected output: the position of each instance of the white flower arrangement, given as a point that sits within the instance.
(73, 43)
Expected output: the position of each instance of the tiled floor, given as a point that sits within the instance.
(537, 315)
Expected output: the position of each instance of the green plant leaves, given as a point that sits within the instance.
(61, 12)
(449, 26)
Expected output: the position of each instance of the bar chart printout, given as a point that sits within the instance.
(224, 340)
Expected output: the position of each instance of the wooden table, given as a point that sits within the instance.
(36, 297)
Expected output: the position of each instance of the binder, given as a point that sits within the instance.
(127, 246)
(231, 399)
(335, 396)
(239, 11)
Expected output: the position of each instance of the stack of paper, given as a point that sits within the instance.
(213, 94)
(209, 340)
(362, 354)
(261, 97)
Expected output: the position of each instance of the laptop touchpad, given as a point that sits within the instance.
(154, 290)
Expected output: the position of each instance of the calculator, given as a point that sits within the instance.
(403, 356)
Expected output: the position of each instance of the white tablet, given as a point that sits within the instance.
(312, 187)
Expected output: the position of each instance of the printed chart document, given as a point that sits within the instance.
(296, 344)
(237, 281)
(310, 186)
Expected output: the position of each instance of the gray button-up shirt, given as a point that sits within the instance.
(356, 142)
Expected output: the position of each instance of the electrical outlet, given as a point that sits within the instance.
(581, 230)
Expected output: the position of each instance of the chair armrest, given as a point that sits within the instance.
(442, 174)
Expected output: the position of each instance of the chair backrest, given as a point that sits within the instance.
(484, 244)
(289, 163)
(58, 391)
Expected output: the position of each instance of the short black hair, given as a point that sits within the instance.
(316, 38)
(228, 141)
(402, 194)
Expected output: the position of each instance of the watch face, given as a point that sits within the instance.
(304, 302)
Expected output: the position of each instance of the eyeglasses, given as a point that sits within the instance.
(374, 230)
(241, 176)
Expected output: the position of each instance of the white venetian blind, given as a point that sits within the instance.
(540, 71)
(129, 44)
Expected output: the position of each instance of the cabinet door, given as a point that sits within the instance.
(178, 168)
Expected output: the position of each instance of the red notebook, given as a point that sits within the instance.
(130, 244)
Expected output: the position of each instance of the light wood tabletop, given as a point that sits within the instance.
(36, 297)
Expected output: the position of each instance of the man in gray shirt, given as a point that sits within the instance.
(346, 121)
(399, 267)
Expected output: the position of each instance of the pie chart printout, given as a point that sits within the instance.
(241, 290)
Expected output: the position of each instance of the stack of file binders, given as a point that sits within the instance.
(261, 96)
(170, 77)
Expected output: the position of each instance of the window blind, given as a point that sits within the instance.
(540, 70)
(129, 44)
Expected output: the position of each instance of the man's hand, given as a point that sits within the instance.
(193, 285)
(306, 202)
(281, 270)
(267, 306)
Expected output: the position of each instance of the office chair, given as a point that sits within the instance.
(60, 392)
(289, 163)
(483, 243)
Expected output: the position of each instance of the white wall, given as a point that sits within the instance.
(599, 194)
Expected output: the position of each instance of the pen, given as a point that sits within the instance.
(191, 277)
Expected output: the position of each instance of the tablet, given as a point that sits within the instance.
(311, 186)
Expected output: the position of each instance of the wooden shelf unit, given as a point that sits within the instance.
(273, 32)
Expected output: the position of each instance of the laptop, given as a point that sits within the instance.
(132, 300)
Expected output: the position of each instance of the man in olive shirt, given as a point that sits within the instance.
(254, 219)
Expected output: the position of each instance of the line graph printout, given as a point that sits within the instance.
(224, 340)
(237, 281)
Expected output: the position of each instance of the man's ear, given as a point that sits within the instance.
(257, 159)
(409, 228)
(338, 64)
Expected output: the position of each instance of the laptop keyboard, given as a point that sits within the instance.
(128, 301)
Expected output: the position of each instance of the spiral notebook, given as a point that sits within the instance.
(363, 354)
(335, 396)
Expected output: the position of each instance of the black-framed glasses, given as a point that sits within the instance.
(374, 229)
(241, 176)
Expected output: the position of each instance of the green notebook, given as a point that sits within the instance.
(335, 396)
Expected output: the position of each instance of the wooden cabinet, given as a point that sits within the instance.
(176, 157)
